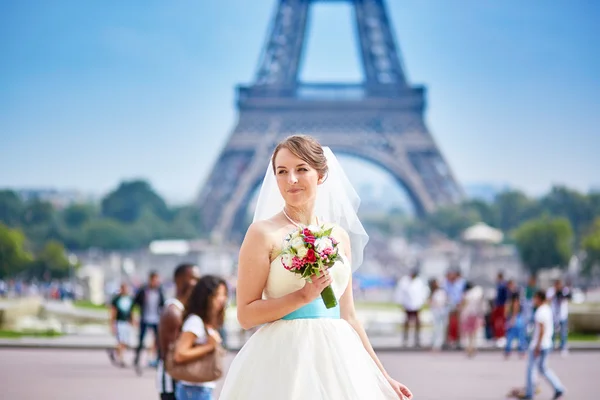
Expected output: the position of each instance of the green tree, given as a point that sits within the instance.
(487, 212)
(544, 243)
(108, 234)
(186, 223)
(37, 212)
(52, 260)
(512, 209)
(127, 202)
(591, 246)
(39, 234)
(594, 202)
(564, 202)
(452, 220)
(148, 227)
(11, 208)
(13, 255)
(77, 215)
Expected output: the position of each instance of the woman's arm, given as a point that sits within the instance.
(253, 271)
(113, 319)
(348, 313)
(186, 351)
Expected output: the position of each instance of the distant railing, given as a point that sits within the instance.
(330, 91)
(327, 91)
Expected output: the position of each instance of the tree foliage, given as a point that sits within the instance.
(133, 214)
(14, 256)
(35, 236)
(51, 261)
(11, 208)
(591, 246)
(128, 202)
(545, 243)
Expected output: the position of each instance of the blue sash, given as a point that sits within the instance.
(313, 310)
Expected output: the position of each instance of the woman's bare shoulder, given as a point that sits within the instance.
(265, 229)
(266, 233)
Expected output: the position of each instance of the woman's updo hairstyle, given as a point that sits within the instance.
(307, 149)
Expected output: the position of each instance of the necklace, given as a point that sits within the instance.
(291, 220)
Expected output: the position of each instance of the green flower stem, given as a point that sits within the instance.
(329, 297)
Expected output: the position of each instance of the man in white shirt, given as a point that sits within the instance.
(412, 294)
(540, 347)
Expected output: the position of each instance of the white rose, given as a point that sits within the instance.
(302, 251)
(323, 243)
(313, 228)
(298, 245)
(297, 242)
(286, 259)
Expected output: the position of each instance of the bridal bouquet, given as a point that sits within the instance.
(309, 251)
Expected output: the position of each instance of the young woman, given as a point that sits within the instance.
(303, 349)
(471, 315)
(438, 305)
(204, 316)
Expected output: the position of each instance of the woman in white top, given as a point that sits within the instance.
(205, 312)
(438, 305)
(471, 314)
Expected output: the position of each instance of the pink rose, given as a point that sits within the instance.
(309, 239)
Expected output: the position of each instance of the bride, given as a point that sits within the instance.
(303, 351)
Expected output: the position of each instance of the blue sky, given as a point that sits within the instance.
(95, 92)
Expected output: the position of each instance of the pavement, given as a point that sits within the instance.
(236, 341)
(88, 375)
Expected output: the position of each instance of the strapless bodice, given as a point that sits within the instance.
(281, 281)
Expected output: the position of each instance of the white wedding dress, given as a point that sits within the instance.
(313, 355)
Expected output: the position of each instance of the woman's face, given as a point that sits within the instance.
(219, 299)
(296, 179)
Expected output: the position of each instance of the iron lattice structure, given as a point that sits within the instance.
(379, 120)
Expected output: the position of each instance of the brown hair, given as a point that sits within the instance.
(200, 300)
(307, 149)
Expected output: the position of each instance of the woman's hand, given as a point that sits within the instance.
(213, 337)
(401, 390)
(313, 288)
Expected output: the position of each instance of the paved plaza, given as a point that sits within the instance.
(28, 374)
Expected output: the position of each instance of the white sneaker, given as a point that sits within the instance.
(564, 353)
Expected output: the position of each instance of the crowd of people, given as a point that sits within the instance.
(459, 309)
(533, 320)
(456, 306)
(189, 325)
(50, 289)
(194, 318)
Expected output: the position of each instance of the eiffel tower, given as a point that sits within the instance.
(379, 120)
